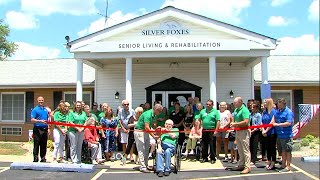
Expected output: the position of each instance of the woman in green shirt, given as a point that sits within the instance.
(76, 134)
(59, 132)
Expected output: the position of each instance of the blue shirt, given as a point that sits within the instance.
(284, 116)
(40, 113)
(255, 119)
(266, 119)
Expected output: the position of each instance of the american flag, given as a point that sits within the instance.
(306, 113)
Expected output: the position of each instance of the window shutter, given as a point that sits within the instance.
(257, 95)
(297, 99)
(57, 97)
(29, 105)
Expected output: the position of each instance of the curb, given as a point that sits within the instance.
(310, 159)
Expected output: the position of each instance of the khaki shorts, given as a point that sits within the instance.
(284, 145)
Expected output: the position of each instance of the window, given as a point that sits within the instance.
(11, 131)
(286, 94)
(71, 97)
(13, 107)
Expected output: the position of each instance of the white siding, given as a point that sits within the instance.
(112, 78)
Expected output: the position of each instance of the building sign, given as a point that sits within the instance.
(169, 45)
(167, 28)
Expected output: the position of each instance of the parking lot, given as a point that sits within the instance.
(189, 170)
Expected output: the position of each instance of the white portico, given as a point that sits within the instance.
(169, 54)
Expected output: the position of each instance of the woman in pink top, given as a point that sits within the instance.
(193, 138)
(91, 136)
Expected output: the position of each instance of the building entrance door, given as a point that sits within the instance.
(166, 98)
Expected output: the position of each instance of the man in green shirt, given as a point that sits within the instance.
(167, 148)
(210, 120)
(241, 118)
(141, 134)
(95, 110)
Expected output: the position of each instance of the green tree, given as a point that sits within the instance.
(7, 48)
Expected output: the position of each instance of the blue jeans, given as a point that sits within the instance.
(168, 150)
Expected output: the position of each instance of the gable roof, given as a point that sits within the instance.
(290, 69)
(172, 84)
(166, 12)
(43, 73)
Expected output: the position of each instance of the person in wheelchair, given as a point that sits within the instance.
(166, 148)
(92, 138)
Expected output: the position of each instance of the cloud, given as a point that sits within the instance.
(306, 44)
(226, 11)
(47, 7)
(115, 18)
(19, 20)
(276, 3)
(4, 2)
(280, 21)
(314, 11)
(29, 51)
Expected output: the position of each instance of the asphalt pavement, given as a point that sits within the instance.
(189, 170)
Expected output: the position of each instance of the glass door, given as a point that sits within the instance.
(181, 96)
(166, 98)
(159, 96)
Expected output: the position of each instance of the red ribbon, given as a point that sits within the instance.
(159, 130)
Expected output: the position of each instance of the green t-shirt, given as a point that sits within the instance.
(59, 117)
(166, 138)
(161, 122)
(76, 118)
(96, 113)
(100, 116)
(241, 114)
(146, 117)
(209, 119)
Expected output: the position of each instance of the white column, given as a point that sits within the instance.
(265, 87)
(129, 81)
(264, 70)
(79, 79)
(213, 80)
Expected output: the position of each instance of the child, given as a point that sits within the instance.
(232, 146)
(193, 138)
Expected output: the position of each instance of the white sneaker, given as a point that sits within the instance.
(55, 161)
(185, 154)
(191, 152)
(94, 162)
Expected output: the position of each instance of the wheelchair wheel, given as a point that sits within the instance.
(177, 159)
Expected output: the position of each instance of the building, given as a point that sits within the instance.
(21, 82)
(160, 56)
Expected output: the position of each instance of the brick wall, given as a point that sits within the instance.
(311, 95)
(47, 93)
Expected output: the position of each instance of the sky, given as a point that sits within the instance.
(39, 27)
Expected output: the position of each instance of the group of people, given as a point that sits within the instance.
(142, 129)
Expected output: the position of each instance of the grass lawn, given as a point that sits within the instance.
(12, 149)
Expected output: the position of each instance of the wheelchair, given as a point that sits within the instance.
(176, 164)
(86, 153)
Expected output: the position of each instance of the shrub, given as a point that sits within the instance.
(296, 146)
(50, 145)
(316, 140)
(305, 142)
(310, 137)
(312, 146)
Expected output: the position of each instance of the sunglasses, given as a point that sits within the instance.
(126, 104)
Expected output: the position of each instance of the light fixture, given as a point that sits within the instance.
(231, 94)
(116, 95)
